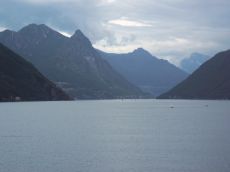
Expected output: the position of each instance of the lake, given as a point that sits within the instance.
(115, 136)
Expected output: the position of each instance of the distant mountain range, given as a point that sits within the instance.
(72, 63)
(86, 73)
(210, 81)
(193, 62)
(19, 80)
(149, 73)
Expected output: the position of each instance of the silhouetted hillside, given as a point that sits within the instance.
(19, 80)
(210, 81)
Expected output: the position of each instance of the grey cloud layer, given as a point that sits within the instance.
(175, 28)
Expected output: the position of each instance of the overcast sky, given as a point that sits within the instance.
(170, 29)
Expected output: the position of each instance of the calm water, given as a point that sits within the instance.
(115, 136)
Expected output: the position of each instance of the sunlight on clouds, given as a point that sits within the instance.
(129, 23)
(2, 28)
(103, 45)
(110, 1)
(65, 34)
(107, 1)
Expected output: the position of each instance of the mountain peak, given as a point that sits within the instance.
(79, 36)
(141, 51)
(36, 32)
(32, 27)
(36, 29)
(78, 33)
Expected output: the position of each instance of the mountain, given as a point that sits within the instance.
(210, 81)
(20, 80)
(149, 73)
(71, 63)
(193, 62)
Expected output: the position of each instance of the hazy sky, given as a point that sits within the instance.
(170, 29)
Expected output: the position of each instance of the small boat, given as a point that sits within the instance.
(171, 106)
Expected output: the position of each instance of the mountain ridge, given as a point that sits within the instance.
(72, 60)
(151, 74)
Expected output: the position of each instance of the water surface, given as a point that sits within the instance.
(115, 136)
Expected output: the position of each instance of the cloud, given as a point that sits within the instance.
(169, 29)
(65, 34)
(2, 28)
(129, 23)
